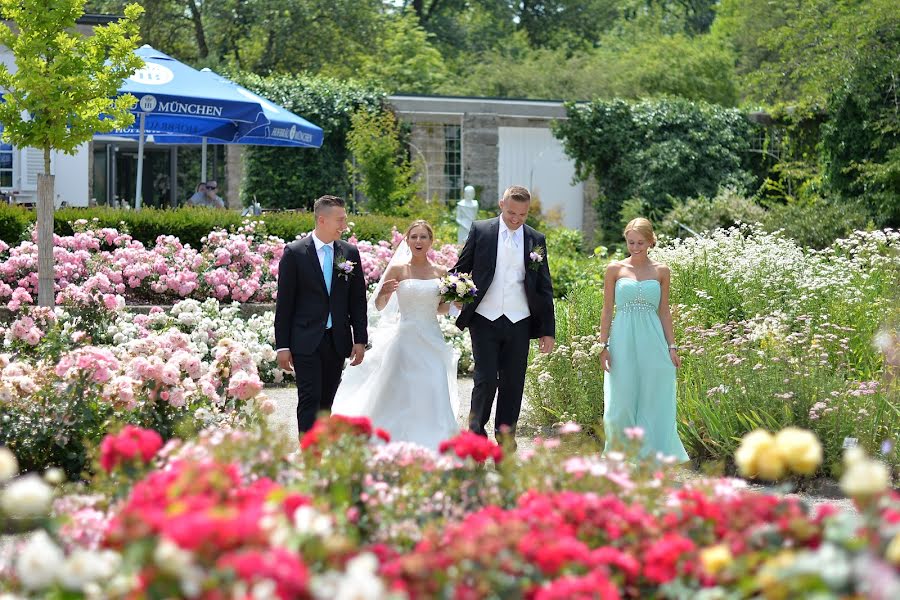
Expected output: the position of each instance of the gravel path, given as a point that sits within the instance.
(284, 419)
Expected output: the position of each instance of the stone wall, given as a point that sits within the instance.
(480, 139)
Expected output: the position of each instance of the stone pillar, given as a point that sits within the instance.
(589, 215)
(234, 175)
(481, 156)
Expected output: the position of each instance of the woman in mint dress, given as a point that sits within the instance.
(639, 355)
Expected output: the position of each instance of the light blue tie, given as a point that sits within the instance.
(327, 266)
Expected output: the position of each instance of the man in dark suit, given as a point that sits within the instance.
(320, 310)
(508, 263)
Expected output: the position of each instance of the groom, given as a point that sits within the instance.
(508, 263)
(321, 298)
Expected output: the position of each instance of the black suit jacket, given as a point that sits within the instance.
(479, 257)
(303, 303)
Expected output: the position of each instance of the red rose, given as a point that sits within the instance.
(127, 445)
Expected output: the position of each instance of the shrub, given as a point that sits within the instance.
(702, 214)
(294, 178)
(655, 150)
(383, 171)
(817, 223)
(189, 225)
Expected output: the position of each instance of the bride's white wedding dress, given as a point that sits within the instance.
(407, 382)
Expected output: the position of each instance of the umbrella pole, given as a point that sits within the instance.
(203, 161)
(140, 165)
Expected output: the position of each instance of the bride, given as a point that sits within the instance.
(407, 384)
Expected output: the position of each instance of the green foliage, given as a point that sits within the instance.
(294, 178)
(379, 161)
(64, 88)
(771, 335)
(189, 225)
(405, 60)
(656, 151)
(816, 223)
(326, 37)
(674, 65)
(861, 139)
(703, 214)
(14, 221)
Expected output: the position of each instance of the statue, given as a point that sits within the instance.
(466, 213)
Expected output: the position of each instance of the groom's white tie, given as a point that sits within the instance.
(509, 241)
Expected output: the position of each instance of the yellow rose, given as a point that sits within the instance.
(893, 551)
(801, 450)
(758, 456)
(715, 558)
(865, 479)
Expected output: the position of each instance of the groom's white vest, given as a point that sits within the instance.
(506, 294)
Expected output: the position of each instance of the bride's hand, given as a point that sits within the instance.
(604, 360)
(389, 286)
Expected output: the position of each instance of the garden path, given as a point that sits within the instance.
(284, 420)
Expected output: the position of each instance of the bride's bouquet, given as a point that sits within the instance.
(458, 287)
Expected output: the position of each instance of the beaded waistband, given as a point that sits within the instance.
(636, 306)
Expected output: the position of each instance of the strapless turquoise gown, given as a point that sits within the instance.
(639, 390)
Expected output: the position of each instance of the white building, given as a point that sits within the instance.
(492, 143)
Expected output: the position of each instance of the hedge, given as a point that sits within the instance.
(294, 178)
(187, 224)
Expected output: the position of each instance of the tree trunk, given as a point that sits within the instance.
(45, 205)
(199, 33)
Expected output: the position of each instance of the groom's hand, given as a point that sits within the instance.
(285, 360)
(546, 344)
(356, 356)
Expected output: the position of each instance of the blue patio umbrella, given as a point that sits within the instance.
(283, 128)
(177, 100)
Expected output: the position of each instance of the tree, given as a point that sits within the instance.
(63, 91)
(404, 59)
(385, 175)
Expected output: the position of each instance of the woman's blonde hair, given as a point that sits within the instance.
(419, 223)
(642, 226)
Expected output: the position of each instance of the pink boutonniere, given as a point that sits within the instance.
(344, 267)
(536, 257)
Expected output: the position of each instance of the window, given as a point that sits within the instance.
(452, 162)
(6, 165)
(436, 152)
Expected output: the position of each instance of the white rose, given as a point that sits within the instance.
(360, 581)
(27, 496)
(172, 559)
(865, 479)
(9, 466)
(39, 562)
(309, 521)
(80, 568)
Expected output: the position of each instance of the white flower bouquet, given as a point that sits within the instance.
(458, 287)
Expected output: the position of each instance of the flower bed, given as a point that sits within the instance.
(241, 266)
(227, 515)
(771, 335)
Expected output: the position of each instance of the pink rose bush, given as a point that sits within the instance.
(157, 381)
(96, 266)
(230, 515)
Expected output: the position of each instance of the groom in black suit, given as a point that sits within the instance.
(320, 310)
(508, 263)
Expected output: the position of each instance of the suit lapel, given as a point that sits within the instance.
(494, 238)
(339, 256)
(313, 258)
(526, 248)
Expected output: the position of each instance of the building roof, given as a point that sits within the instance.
(514, 107)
